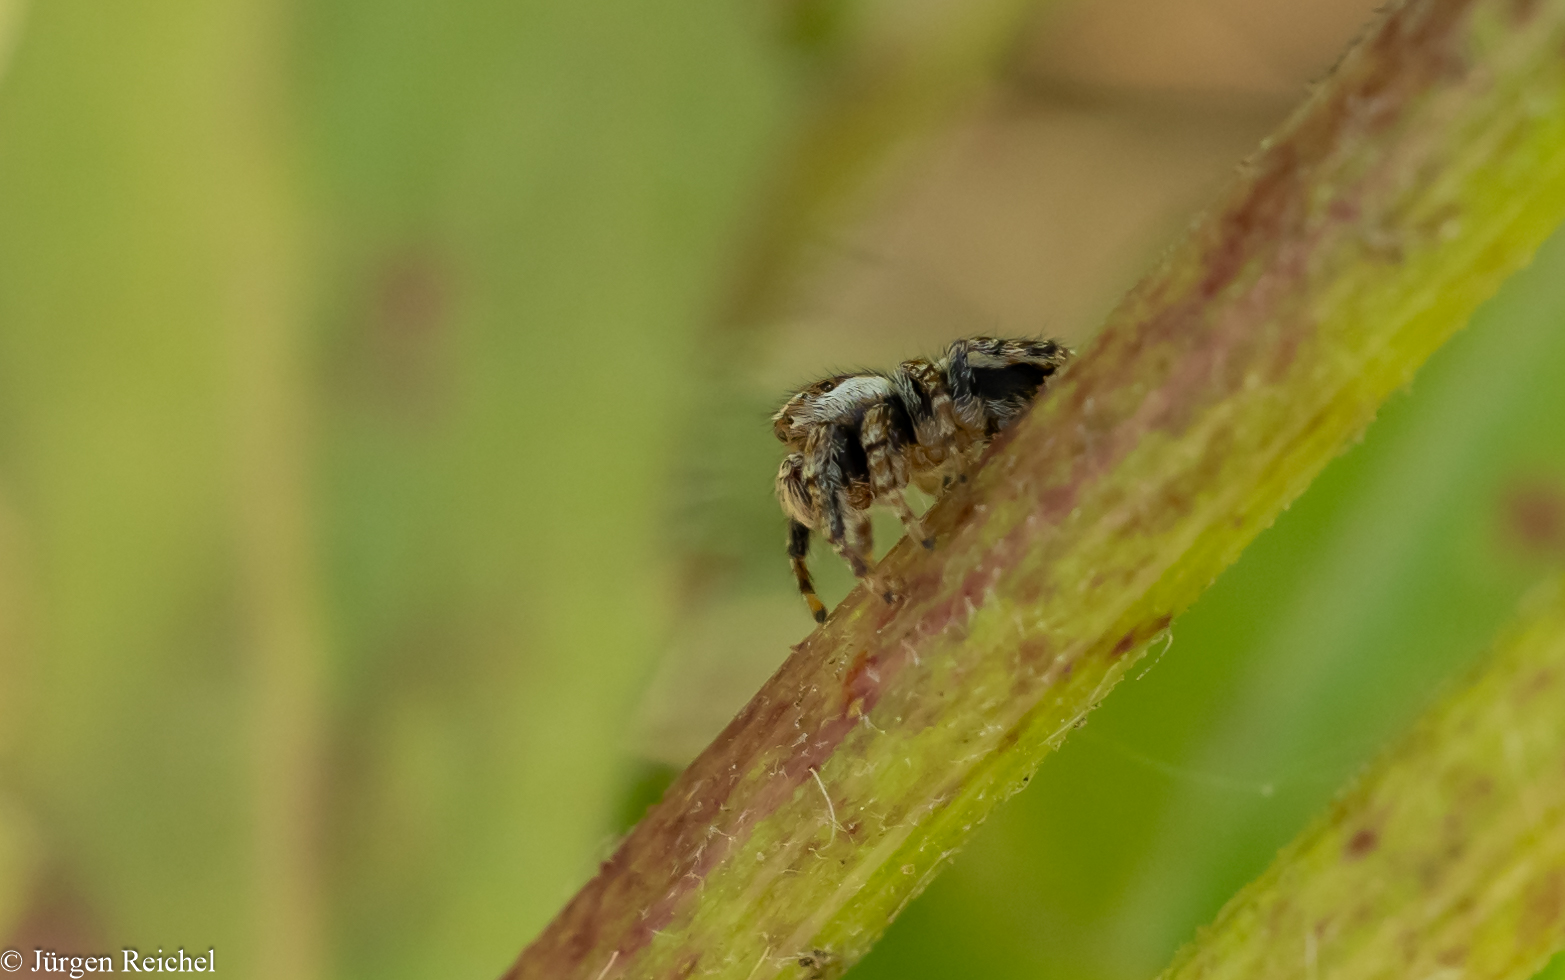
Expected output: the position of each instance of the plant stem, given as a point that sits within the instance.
(1426, 170)
(1448, 856)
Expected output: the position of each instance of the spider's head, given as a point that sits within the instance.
(841, 400)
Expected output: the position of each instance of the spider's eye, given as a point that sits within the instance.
(827, 386)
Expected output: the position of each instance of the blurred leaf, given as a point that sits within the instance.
(143, 233)
(528, 207)
(890, 72)
(517, 212)
(11, 16)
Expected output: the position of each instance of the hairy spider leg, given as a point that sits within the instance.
(793, 489)
(927, 400)
(915, 527)
(884, 435)
(798, 550)
(964, 399)
(861, 544)
(826, 474)
(860, 540)
(793, 492)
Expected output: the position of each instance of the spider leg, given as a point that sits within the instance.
(798, 549)
(915, 527)
(848, 531)
(826, 475)
(968, 410)
(926, 399)
(793, 492)
(883, 438)
(858, 547)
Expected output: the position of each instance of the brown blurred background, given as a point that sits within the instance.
(385, 503)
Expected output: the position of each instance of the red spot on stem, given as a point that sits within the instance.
(1532, 515)
(1140, 635)
(1543, 909)
(860, 683)
(1362, 844)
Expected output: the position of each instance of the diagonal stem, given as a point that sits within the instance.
(1446, 857)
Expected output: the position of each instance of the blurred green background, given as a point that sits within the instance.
(385, 503)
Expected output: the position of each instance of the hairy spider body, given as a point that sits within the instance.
(860, 439)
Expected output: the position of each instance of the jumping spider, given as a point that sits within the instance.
(856, 439)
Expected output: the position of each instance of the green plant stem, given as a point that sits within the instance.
(1447, 857)
(1428, 168)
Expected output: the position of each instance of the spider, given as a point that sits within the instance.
(859, 439)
